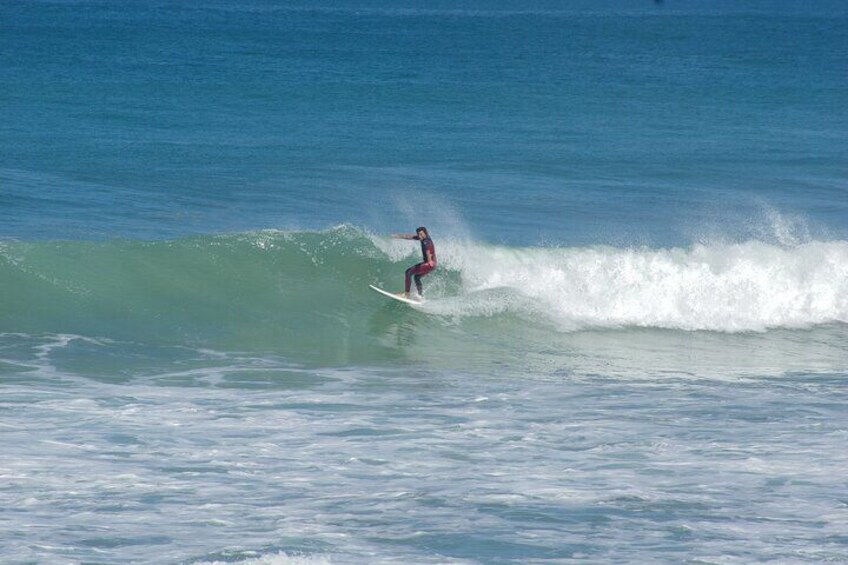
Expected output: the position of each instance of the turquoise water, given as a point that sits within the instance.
(633, 350)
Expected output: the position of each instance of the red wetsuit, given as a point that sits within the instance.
(421, 269)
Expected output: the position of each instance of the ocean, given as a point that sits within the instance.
(634, 348)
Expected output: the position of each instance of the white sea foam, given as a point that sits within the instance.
(275, 559)
(749, 286)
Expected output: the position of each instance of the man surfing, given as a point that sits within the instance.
(428, 252)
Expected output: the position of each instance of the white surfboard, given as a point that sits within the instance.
(394, 296)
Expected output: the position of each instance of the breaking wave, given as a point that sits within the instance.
(310, 288)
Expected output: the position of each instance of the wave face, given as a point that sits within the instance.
(303, 292)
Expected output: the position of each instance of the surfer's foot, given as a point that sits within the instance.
(403, 294)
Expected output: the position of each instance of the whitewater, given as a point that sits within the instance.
(750, 286)
(700, 449)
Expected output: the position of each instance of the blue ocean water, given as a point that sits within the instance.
(634, 350)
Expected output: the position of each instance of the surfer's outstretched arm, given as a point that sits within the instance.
(404, 236)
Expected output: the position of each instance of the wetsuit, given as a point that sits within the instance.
(421, 269)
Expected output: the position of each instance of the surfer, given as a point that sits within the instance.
(428, 252)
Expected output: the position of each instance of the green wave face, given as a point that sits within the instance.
(303, 295)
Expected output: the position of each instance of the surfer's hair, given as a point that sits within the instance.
(422, 228)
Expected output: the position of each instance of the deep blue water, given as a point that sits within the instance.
(633, 351)
(614, 123)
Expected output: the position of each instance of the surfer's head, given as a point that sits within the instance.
(422, 232)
